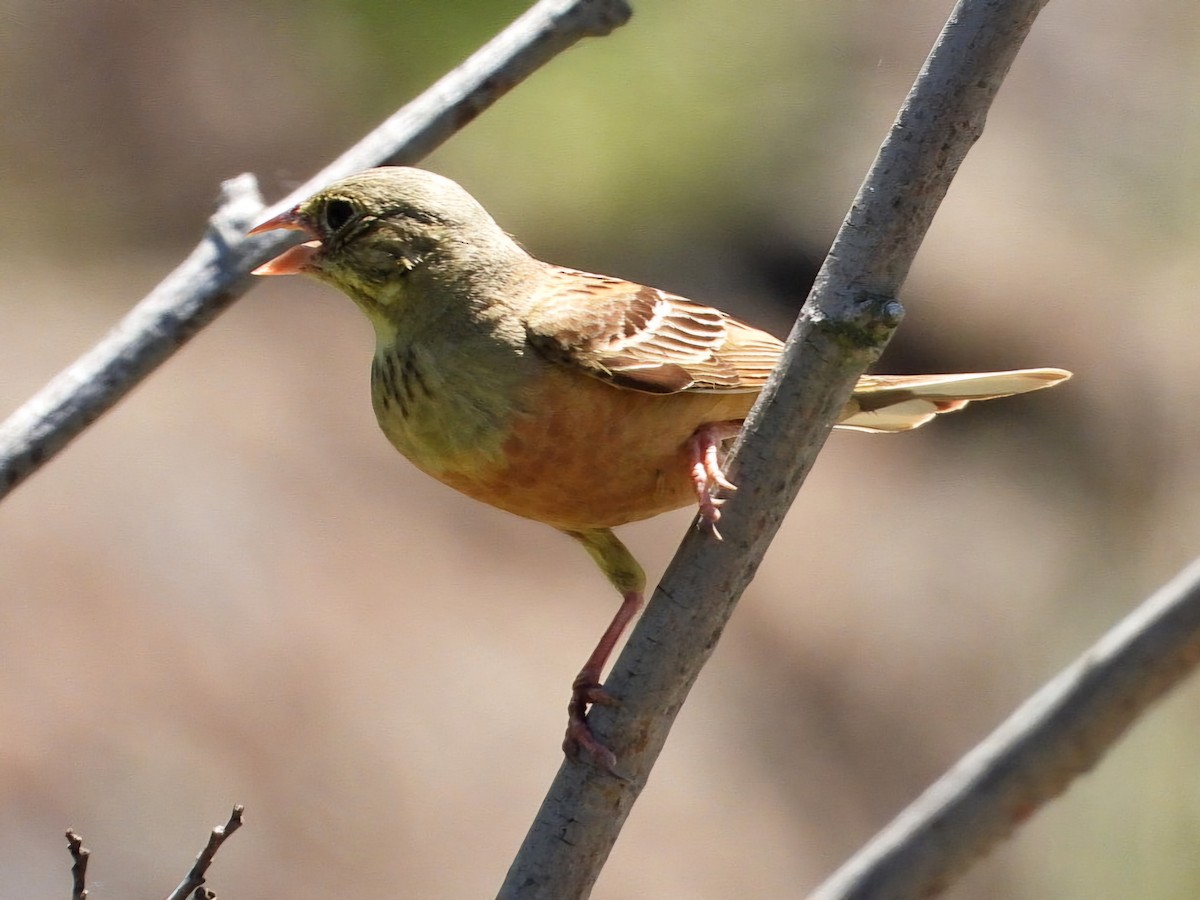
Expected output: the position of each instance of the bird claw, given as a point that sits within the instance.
(579, 740)
(704, 523)
(704, 449)
(585, 692)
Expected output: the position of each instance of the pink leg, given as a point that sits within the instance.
(624, 573)
(586, 689)
(704, 448)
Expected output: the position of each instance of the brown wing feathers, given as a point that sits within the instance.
(646, 339)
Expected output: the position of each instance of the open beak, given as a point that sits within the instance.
(294, 260)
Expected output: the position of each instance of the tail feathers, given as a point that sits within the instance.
(887, 403)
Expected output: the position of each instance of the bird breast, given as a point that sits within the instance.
(445, 408)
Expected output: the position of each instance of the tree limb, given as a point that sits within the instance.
(842, 328)
(217, 271)
(1056, 735)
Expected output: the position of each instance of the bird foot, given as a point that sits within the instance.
(580, 741)
(704, 451)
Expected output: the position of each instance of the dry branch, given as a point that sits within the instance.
(1055, 736)
(193, 882)
(79, 861)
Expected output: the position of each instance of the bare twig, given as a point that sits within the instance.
(79, 856)
(193, 883)
(1055, 736)
(217, 272)
(842, 328)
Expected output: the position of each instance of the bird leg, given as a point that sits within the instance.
(624, 573)
(704, 456)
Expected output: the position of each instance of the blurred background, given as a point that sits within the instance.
(231, 589)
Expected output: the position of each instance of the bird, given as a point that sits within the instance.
(578, 400)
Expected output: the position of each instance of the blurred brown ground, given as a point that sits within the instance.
(232, 590)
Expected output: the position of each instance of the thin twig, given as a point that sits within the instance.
(842, 328)
(217, 271)
(193, 883)
(1055, 736)
(79, 856)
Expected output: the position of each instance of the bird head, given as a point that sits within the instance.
(390, 234)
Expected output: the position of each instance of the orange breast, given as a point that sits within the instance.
(581, 453)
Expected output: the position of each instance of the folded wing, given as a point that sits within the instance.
(645, 339)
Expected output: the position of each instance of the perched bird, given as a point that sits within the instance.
(579, 400)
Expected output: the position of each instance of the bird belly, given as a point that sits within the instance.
(579, 453)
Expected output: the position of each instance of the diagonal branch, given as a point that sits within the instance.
(1055, 736)
(217, 271)
(842, 328)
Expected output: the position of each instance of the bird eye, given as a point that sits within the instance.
(338, 213)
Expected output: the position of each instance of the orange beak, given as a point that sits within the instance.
(294, 260)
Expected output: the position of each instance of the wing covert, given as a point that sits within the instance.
(646, 339)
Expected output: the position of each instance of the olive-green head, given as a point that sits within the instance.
(389, 237)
